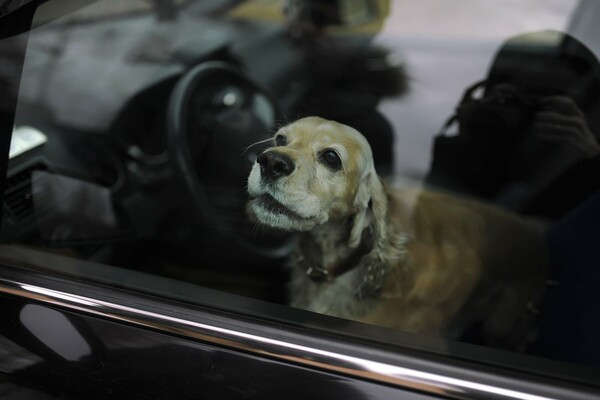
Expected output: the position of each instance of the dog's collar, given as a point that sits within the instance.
(310, 259)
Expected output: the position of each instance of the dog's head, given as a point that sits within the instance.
(317, 171)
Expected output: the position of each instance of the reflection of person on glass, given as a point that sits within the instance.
(530, 142)
(576, 162)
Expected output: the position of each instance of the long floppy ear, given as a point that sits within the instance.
(371, 203)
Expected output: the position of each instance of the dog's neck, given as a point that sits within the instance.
(323, 253)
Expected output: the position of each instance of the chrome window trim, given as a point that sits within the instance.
(176, 318)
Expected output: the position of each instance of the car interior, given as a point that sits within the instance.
(155, 181)
(138, 123)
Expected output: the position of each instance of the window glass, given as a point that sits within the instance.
(427, 167)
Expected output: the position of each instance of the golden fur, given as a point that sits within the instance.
(436, 264)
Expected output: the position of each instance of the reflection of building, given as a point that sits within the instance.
(354, 16)
(584, 25)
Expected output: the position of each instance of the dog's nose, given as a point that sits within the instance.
(274, 165)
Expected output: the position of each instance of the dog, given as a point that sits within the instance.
(415, 260)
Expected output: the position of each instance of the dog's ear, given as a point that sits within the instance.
(371, 203)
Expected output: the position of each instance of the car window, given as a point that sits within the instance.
(429, 168)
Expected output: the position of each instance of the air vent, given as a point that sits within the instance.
(17, 196)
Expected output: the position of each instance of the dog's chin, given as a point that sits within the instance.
(275, 215)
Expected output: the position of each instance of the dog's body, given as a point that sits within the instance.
(414, 260)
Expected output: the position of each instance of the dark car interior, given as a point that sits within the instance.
(136, 129)
(153, 179)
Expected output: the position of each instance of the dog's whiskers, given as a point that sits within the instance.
(255, 230)
(254, 144)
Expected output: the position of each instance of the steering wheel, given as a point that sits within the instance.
(216, 115)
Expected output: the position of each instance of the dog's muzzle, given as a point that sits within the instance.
(274, 165)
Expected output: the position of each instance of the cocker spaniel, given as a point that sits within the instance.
(412, 259)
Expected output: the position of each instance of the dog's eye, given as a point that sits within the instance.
(280, 140)
(331, 159)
